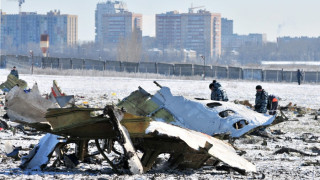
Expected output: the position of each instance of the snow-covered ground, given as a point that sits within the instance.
(98, 91)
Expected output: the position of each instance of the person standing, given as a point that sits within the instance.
(299, 76)
(261, 101)
(14, 72)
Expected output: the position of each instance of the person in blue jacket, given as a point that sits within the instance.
(14, 72)
(217, 92)
(261, 101)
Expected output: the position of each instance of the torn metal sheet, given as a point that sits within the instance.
(134, 162)
(27, 107)
(65, 101)
(57, 96)
(39, 156)
(55, 90)
(215, 147)
(11, 82)
(206, 116)
(80, 122)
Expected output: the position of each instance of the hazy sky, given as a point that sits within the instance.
(273, 17)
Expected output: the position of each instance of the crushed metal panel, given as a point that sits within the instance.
(138, 103)
(39, 156)
(27, 107)
(80, 123)
(11, 82)
(135, 164)
(116, 115)
(214, 147)
(88, 123)
(63, 118)
(136, 125)
(65, 101)
(206, 116)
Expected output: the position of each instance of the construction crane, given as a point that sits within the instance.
(192, 8)
(20, 4)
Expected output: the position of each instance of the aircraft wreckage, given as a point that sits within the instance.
(144, 125)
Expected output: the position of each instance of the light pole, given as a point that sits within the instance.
(99, 54)
(204, 66)
(31, 55)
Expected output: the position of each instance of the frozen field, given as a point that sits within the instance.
(302, 134)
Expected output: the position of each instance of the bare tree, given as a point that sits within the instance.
(130, 49)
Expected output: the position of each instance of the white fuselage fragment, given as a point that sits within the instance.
(196, 115)
(197, 140)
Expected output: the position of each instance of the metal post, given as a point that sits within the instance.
(31, 54)
(251, 74)
(204, 66)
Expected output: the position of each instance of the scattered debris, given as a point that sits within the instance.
(290, 150)
(245, 102)
(310, 163)
(12, 151)
(70, 161)
(57, 96)
(3, 125)
(11, 82)
(315, 150)
(27, 108)
(150, 124)
(39, 156)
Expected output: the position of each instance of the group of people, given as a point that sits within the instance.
(263, 101)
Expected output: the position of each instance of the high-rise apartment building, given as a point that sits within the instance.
(199, 31)
(121, 25)
(231, 41)
(113, 22)
(62, 28)
(108, 7)
(1, 39)
(25, 28)
(226, 26)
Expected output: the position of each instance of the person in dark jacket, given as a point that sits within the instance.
(261, 100)
(14, 72)
(217, 92)
(299, 76)
(272, 104)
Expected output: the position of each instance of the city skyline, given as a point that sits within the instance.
(285, 18)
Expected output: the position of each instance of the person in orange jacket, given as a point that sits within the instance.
(272, 104)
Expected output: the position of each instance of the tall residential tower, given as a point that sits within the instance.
(114, 21)
(25, 28)
(200, 31)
